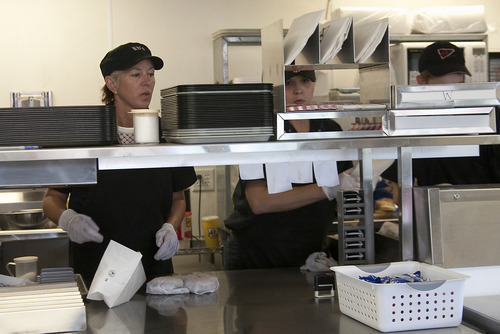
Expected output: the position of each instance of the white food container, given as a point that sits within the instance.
(146, 126)
(401, 306)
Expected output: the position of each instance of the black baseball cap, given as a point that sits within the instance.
(311, 75)
(127, 55)
(442, 58)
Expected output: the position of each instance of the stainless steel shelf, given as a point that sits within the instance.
(173, 155)
(437, 37)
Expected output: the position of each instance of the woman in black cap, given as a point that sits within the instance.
(138, 208)
(283, 229)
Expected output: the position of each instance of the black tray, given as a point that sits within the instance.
(217, 106)
(216, 88)
(58, 126)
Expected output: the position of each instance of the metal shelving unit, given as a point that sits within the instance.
(38, 164)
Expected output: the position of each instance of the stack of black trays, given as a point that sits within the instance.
(218, 113)
(58, 126)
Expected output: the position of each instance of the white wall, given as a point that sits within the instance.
(57, 44)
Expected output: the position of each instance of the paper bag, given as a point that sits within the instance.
(119, 275)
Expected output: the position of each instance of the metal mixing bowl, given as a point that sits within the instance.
(23, 219)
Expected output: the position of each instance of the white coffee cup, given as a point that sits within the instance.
(25, 267)
(146, 126)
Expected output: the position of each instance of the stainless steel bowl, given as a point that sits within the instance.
(23, 219)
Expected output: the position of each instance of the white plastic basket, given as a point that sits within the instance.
(401, 306)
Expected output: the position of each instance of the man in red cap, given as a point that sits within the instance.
(442, 63)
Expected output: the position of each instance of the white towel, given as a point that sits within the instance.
(326, 173)
(251, 171)
(278, 177)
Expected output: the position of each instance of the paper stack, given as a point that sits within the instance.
(333, 35)
(367, 37)
(298, 34)
(42, 308)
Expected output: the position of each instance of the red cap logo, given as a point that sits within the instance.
(445, 52)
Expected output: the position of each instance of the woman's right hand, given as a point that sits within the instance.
(80, 228)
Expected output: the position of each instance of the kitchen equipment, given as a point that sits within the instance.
(24, 219)
(30, 99)
(401, 306)
(457, 226)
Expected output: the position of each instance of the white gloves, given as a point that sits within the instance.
(166, 239)
(348, 179)
(80, 228)
(318, 262)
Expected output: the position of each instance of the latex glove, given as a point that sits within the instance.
(318, 262)
(80, 228)
(348, 179)
(166, 239)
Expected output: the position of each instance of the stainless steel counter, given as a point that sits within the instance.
(248, 301)
(483, 311)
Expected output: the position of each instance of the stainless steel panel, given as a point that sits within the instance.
(282, 117)
(446, 96)
(273, 62)
(458, 226)
(405, 181)
(365, 158)
(375, 84)
(41, 173)
(417, 122)
(21, 199)
(437, 37)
